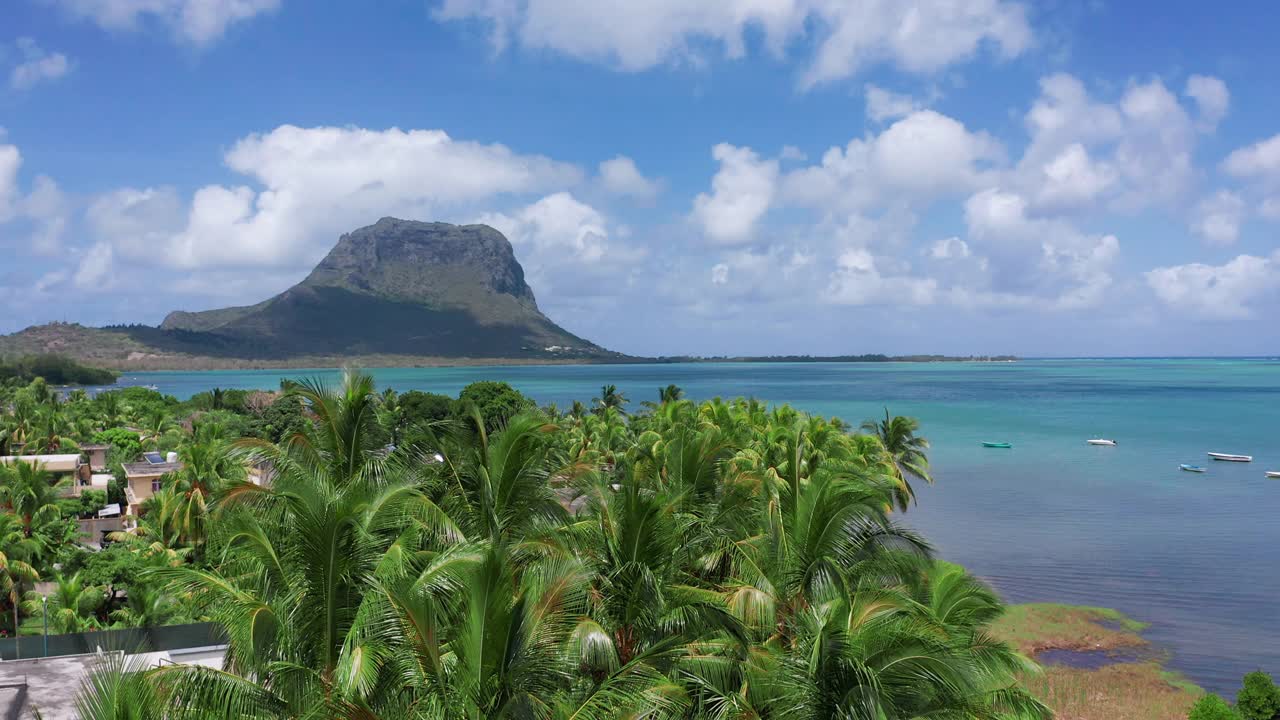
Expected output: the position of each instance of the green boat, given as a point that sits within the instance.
(997, 445)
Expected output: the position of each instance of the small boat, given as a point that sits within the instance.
(1191, 468)
(1274, 474)
(1101, 441)
(997, 445)
(1228, 457)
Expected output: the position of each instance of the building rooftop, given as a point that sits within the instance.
(94, 446)
(146, 469)
(52, 463)
(49, 685)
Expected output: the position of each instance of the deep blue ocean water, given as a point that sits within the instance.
(1053, 519)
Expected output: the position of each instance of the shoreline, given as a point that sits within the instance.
(1095, 663)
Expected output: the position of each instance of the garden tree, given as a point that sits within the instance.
(16, 571)
(907, 450)
(496, 402)
(207, 467)
(282, 419)
(391, 416)
(1259, 699)
(423, 407)
(597, 439)
(27, 491)
(50, 431)
(72, 605)
(1212, 707)
(125, 444)
(157, 429)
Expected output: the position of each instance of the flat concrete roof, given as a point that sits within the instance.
(53, 683)
(52, 463)
(145, 469)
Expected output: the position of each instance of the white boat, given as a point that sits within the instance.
(1273, 474)
(1228, 457)
(1101, 441)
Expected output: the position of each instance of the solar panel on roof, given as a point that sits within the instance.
(154, 458)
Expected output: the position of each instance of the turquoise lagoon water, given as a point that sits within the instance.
(1053, 519)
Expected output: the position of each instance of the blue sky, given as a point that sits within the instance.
(739, 176)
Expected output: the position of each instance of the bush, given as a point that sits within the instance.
(422, 407)
(90, 502)
(496, 401)
(1212, 707)
(1259, 699)
(281, 419)
(125, 444)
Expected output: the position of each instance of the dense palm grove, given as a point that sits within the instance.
(417, 556)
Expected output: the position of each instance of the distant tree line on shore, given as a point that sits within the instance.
(55, 369)
(867, 358)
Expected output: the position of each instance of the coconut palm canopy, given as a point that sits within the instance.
(697, 560)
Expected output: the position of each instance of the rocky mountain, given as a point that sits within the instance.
(395, 289)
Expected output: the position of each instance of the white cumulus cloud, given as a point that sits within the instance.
(1259, 160)
(620, 176)
(1125, 155)
(36, 65)
(310, 184)
(1212, 98)
(1217, 291)
(741, 192)
(857, 280)
(882, 104)
(921, 156)
(566, 247)
(1217, 218)
(198, 22)
(918, 36)
(1045, 258)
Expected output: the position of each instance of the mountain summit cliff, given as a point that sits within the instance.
(395, 288)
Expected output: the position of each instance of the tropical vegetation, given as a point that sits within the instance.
(417, 556)
(414, 555)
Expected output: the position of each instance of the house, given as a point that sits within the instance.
(144, 479)
(68, 466)
(96, 455)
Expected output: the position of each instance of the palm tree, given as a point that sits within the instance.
(157, 426)
(118, 688)
(28, 491)
(206, 468)
(907, 451)
(296, 591)
(669, 394)
(723, 559)
(610, 397)
(72, 604)
(16, 570)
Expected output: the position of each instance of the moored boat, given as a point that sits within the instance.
(1273, 474)
(1102, 441)
(1228, 457)
(997, 445)
(1191, 468)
